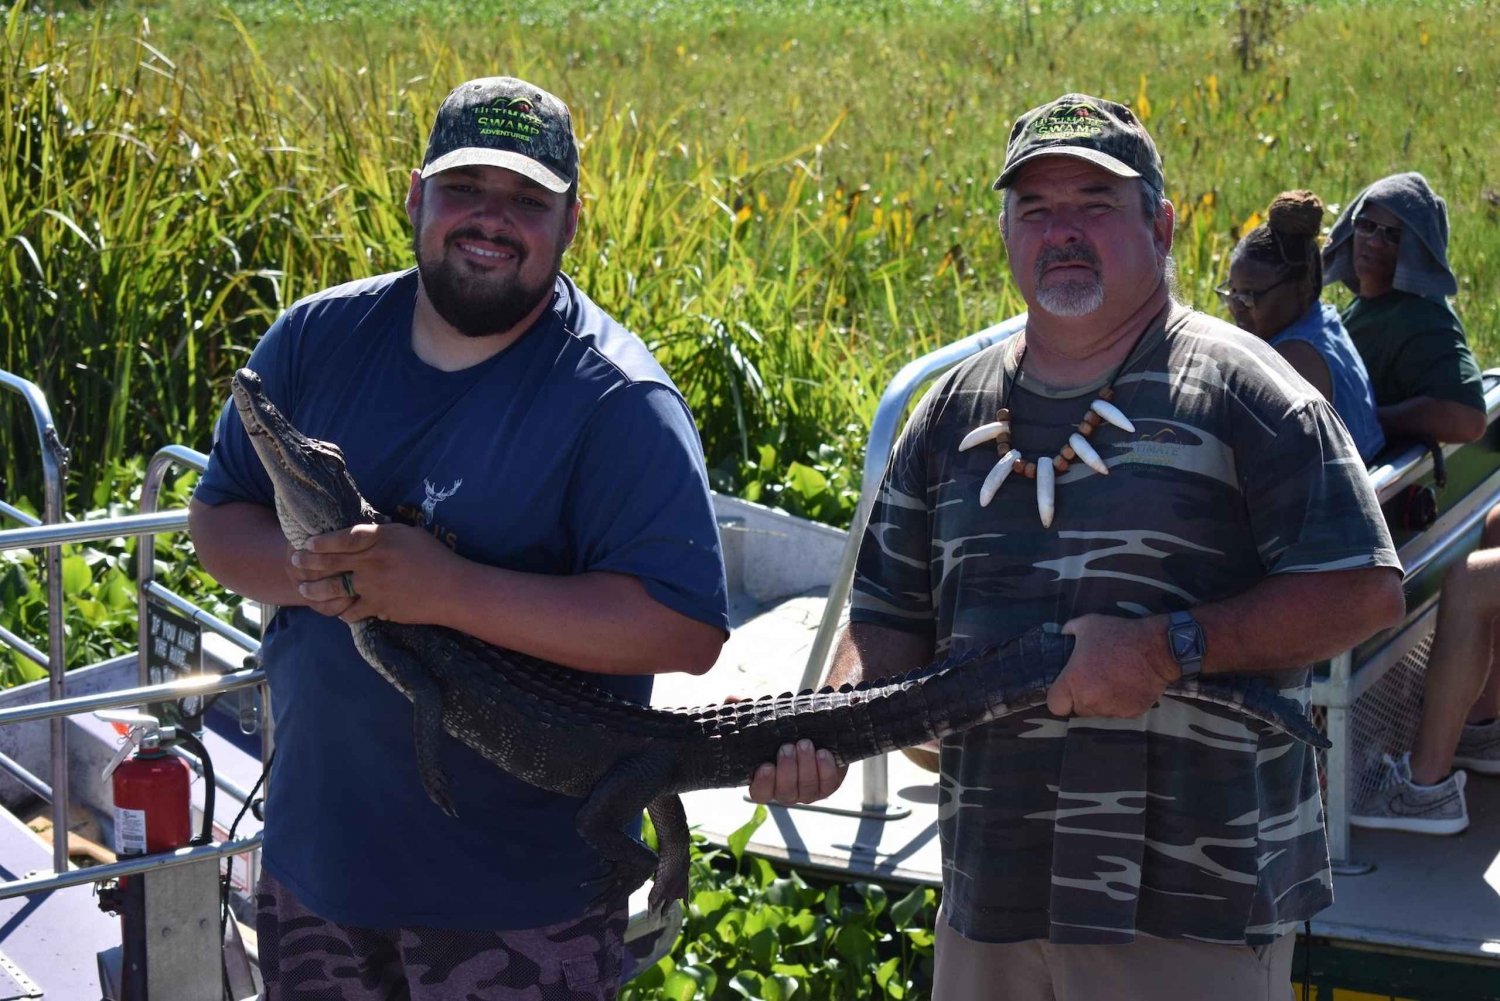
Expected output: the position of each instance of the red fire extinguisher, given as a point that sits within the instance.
(153, 805)
(153, 813)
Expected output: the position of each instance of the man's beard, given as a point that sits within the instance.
(481, 306)
(1078, 297)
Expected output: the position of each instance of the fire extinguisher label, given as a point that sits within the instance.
(130, 832)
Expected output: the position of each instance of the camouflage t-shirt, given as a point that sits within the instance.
(1190, 821)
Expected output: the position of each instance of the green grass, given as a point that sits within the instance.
(786, 199)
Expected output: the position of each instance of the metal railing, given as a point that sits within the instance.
(54, 473)
(883, 430)
(56, 709)
(51, 533)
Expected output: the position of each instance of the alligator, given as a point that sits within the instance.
(549, 726)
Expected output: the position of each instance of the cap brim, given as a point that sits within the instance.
(1117, 167)
(479, 156)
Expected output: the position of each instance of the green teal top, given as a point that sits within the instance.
(1414, 346)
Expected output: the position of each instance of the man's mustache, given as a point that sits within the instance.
(1066, 255)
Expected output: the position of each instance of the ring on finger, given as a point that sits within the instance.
(348, 578)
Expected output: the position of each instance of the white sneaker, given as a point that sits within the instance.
(1399, 804)
(1479, 748)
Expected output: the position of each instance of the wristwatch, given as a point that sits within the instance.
(1186, 641)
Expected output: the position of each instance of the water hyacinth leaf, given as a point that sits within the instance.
(903, 910)
(731, 925)
(855, 943)
(785, 987)
(741, 837)
(748, 984)
(806, 481)
(763, 945)
(885, 972)
(75, 575)
(802, 927)
(706, 903)
(680, 985)
(764, 874)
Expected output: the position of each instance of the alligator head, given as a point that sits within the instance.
(314, 491)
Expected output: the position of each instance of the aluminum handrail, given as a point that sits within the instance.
(883, 430)
(166, 458)
(167, 691)
(156, 472)
(52, 534)
(92, 530)
(11, 511)
(137, 863)
(54, 473)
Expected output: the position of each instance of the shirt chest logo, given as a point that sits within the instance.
(435, 497)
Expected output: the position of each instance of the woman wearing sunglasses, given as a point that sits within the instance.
(1390, 246)
(1275, 275)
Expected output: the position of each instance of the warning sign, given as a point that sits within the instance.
(174, 644)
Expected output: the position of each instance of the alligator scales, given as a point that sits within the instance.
(549, 727)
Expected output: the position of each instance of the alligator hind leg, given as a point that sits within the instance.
(672, 846)
(427, 723)
(617, 800)
(399, 665)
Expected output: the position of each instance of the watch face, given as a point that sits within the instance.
(1185, 638)
(1187, 642)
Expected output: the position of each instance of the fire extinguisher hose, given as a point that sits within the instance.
(206, 835)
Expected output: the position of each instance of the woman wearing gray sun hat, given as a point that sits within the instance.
(1390, 247)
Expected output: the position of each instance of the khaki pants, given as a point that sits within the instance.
(1149, 969)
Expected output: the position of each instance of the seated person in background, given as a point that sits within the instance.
(1275, 277)
(1390, 246)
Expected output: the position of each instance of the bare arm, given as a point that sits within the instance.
(803, 774)
(1427, 419)
(1120, 666)
(601, 622)
(1303, 357)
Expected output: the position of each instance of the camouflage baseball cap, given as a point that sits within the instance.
(504, 122)
(1077, 125)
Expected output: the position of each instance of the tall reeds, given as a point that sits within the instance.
(786, 207)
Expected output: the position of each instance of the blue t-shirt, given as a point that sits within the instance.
(570, 451)
(1353, 399)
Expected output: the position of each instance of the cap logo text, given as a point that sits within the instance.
(512, 119)
(1075, 121)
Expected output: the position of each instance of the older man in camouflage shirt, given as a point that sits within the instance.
(1210, 514)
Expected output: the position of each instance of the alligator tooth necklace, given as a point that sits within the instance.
(1045, 472)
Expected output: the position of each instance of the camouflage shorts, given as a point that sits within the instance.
(305, 958)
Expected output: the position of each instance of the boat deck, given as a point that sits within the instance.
(48, 942)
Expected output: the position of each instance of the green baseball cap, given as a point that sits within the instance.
(1087, 128)
(500, 121)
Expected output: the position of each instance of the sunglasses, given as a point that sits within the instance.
(1369, 227)
(1246, 298)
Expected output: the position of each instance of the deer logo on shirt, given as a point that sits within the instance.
(434, 496)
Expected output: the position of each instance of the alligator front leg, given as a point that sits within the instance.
(672, 847)
(617, 800)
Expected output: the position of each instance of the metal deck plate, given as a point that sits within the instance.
(15, 985)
